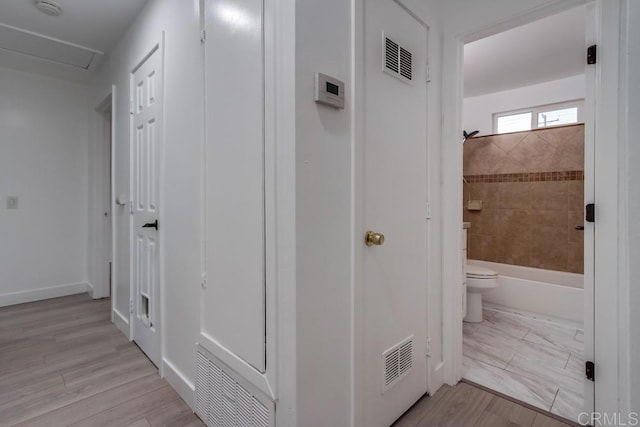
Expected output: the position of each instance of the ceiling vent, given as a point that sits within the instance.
(397, 60)
(48, 7)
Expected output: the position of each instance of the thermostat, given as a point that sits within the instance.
(329, 91)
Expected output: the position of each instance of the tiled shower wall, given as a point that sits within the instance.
(531, 187)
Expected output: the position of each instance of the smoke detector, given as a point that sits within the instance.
(48, 7)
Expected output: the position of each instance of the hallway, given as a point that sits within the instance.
(63, 363)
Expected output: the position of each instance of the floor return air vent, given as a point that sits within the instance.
(223, 398)
(397, 362)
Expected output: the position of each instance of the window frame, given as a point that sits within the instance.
(537, 110)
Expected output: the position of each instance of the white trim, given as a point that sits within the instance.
(284, 342)
(98, 239)
(22, 297)
(91, 290)
(121, 322)
(179, 382)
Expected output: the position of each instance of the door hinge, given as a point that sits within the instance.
(592, 54)
(428, 74)
(590, 370)
(203, 283)
(131, 207)
(203, 35)
(428, 213)
(130, 306)
(590, 212)
(131, 107)
(428, 347)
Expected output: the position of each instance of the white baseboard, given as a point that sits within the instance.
(90, 290)
(121, 322)
(179, 382)
(42, 293)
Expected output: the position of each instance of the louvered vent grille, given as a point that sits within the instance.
(391, 55)
(222, 401)
(398, 361)
(398, 61)
(405, 64)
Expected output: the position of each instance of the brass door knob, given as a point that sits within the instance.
(373, 238)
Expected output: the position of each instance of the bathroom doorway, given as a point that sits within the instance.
(527, 122)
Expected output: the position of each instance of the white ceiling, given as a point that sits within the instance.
(95, 24)
(549, 49)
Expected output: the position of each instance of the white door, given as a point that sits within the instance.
(395, 205)
(146, 90)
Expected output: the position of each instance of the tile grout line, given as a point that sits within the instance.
(554, 399)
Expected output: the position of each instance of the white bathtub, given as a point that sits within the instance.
(547, 293)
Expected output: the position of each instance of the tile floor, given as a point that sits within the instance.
(531, 360)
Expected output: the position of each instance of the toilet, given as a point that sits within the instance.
(479, 281)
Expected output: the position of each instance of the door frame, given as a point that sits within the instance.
(435, 365)
(605, 160)
(100, 288)
(157, 46)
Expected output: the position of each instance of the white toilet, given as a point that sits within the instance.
(479, 281)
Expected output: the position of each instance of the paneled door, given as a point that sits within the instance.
(146, 116)
(394, 236)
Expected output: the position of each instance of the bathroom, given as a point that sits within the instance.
(523, 203)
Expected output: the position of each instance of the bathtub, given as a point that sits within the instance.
(546, 293)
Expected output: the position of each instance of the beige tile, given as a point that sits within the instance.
(575, 258)
(515, 236)
(487, 192)
(509, 141)
(482, 247)
(549, 195)
(549, 240)
(486, 222)
(508, 165)
(480, 156)
(576, 195)
(515, 195)
(575, 218)
(532, 151)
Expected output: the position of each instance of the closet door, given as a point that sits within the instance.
(233, 305)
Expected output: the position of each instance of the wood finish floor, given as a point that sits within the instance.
(63, 363)
(467, 406)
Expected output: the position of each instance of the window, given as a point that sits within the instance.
(538, 117)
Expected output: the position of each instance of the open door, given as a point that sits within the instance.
(146, 116)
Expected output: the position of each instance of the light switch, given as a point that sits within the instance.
(12, 202)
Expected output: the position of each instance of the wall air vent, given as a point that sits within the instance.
(397, 361)
(40, 46)
(397, 60)
(223, 398)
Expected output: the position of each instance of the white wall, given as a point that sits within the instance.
(478, 110)
(181, 217)
(44, 124)
(323, 217)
